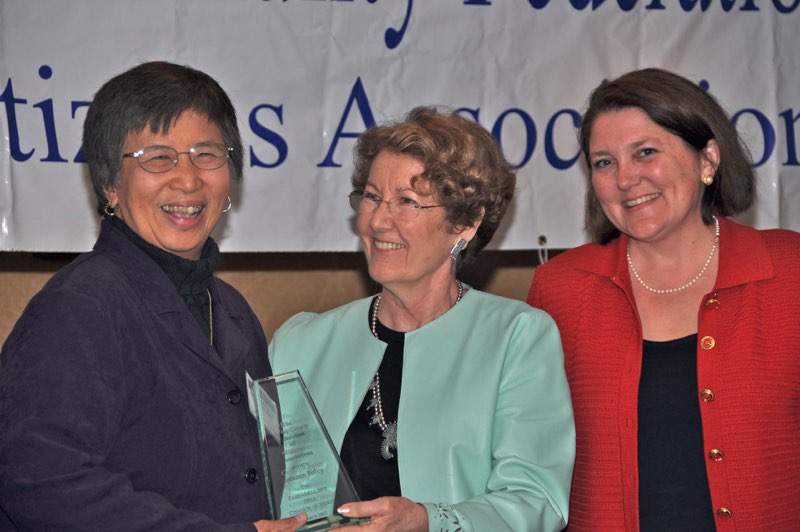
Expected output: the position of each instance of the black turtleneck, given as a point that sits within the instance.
(190, 277)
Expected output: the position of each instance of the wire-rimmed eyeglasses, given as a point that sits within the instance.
(401, 208)
(159, 159)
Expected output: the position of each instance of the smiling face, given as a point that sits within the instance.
(175, 210)
(413, 253)
(648, 180)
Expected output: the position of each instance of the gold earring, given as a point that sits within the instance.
(708, 179)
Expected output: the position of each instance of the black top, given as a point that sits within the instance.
(190, 277)
(673, 486)
(372, 475)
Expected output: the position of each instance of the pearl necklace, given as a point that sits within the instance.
(389, 430)
(684, 286)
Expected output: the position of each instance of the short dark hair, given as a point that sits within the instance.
(462, 164)
(684, 109)
(151, 95)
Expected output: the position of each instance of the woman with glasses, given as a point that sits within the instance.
(123, 394)
(449, 406)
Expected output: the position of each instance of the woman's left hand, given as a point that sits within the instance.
(388, 513)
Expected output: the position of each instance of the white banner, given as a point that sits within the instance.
(307, 76)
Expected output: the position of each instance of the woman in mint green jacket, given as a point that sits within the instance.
(449, 406)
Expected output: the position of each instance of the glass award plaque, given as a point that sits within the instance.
(303, 470)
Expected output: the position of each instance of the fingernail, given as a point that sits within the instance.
(343, 510)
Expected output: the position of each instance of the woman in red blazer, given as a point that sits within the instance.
(681, 328)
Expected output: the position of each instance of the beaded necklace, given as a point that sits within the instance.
(389, 430)
(683, 286)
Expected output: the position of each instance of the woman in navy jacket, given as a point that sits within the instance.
(123, 402)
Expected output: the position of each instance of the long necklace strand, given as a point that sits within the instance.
(684, 286)
(389, 430)
(210, 320)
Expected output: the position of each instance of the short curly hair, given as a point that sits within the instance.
(463, 167)
(151, 95)
(687, 111)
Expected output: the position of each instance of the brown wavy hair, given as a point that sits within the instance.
(463, 167)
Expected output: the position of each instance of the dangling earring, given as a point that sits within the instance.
(458, 248)
(228, 207)
(108, 210)
(708, 179)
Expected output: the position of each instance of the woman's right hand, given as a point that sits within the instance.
(388, 513)
(290, 524)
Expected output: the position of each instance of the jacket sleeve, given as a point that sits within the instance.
(533, 441)
(63, 397)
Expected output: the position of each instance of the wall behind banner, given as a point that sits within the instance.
(307, 76)
(277, 285)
